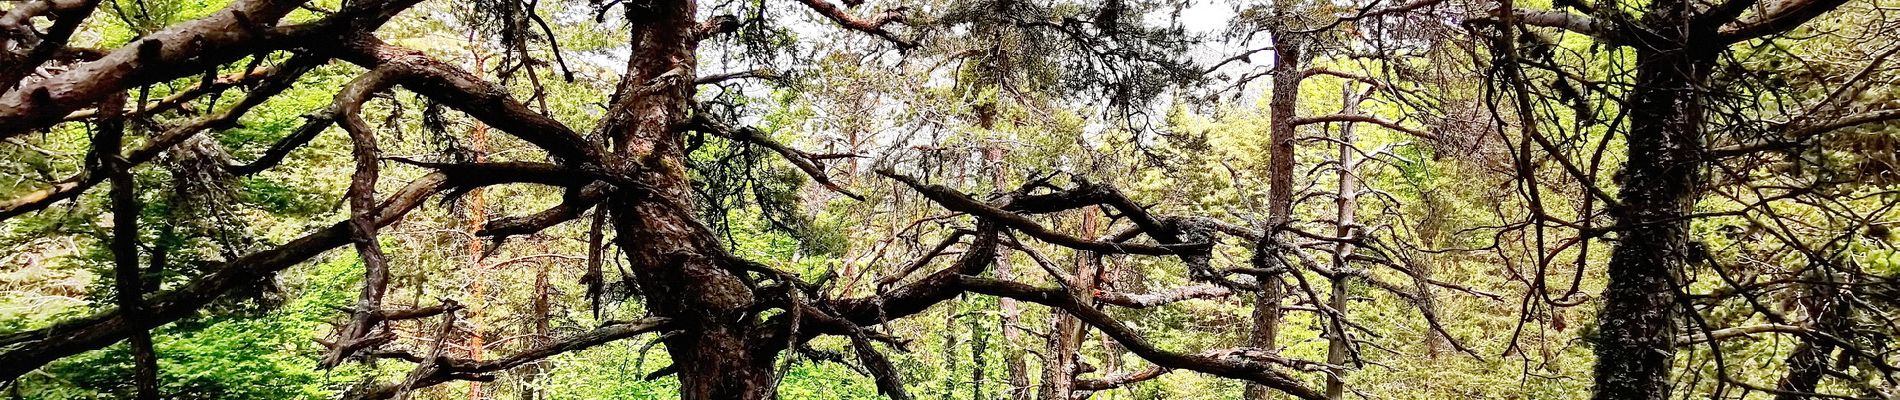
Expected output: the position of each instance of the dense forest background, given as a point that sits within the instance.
(949, 199)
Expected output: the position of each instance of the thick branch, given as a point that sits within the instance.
(241, 30)
(1122, 379)
(73, 186)
(355, 335)
(570, 208)
(465, 92)
(1784, 17)
(874, 25)
(25, 351)
(1147, 300)
(1603, 31)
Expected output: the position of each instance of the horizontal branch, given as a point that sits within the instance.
(959, 202)
(747, 74)
(159, 143)
(1781, 18)
(1366, 119)
(1147, 300)
(243, 29)
(1798, 137)
(1740, 331)
(1601, 30)
(569, 209)
(180, 98)
(443, 370)
(470, 94)
(874, 25)
(1229, 364)
(1122, 379)
(919, 295)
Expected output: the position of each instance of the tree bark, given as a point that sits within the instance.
(477, 207)
(1282, 107)
(1636, 327)
(1346, 202)
(677, 263)
(1013, 365)
(125, 237)
(531, 378)
(1066, 335)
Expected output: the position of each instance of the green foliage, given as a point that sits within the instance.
(222, 357)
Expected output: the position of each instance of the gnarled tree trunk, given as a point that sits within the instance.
(677, 263)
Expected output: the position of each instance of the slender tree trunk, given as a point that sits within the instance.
(1346, 201)
(979, 345)
(1435, 342)
(678, 264)
(1423, 267)
(1066, 335)
(1288, 61)
(949, 336)
(1012, 312)
(1636, 329)
(125, 236)
(530, 382)
(477, 204)
(1112, 277)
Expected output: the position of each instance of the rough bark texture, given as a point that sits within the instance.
(1636, 327)
(1016, 371)
(1288, 58)
(677, 263)
(1062, 356)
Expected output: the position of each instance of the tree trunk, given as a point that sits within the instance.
(1066, 335)
(129, 293)
(531, 375)
(1346, 202)
(1012, 312)
(979, 345)
(677, 263)
(477, 208)
(1288, 59)
(1636, 330)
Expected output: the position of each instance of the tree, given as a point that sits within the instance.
(633, 168)
(1674, 104)
(184, 153)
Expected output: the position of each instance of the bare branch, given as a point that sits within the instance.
(804, 161)
(1214, 363)
(439, 370)
(1366, 119)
